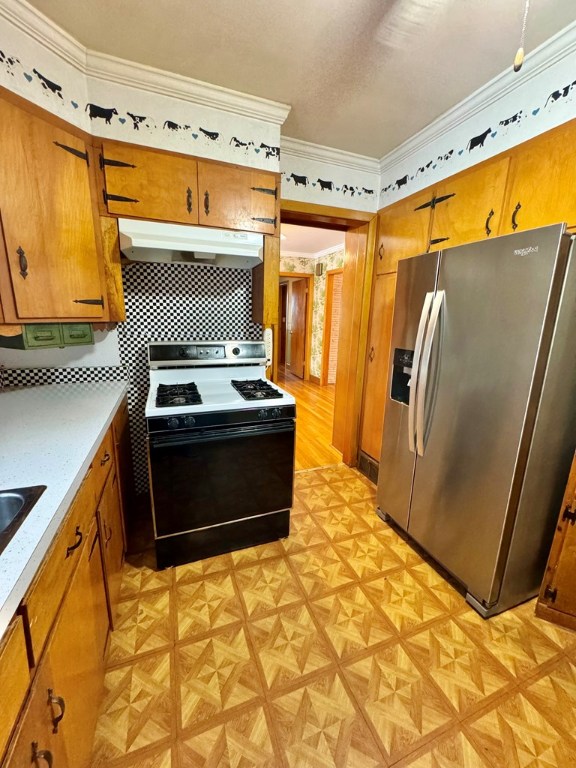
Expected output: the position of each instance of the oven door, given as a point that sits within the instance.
(209, 477)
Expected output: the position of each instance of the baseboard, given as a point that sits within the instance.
(315, 379)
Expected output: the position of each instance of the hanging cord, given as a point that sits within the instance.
(519, 58)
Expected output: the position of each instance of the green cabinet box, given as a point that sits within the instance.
(45, 335)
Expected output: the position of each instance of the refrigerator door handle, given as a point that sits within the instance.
(415, 365)
(425, 368)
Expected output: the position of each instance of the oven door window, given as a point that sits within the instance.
(218, 476)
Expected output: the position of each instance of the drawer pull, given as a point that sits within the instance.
(41, 754)
(105, 459)
(487, 225)
(43, 336)
(206, 202)
(23, 262)
(78, 534)
(514, 214)
(189, 200)
(59, 702)
(381, 251)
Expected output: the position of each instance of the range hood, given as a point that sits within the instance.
(180, 244)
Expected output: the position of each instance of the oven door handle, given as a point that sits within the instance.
(213, 435)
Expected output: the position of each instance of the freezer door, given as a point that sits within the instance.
(482, 394)
(414, 293)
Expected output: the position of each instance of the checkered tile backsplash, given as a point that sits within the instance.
(164, 302)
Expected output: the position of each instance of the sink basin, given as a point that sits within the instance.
(15, 504)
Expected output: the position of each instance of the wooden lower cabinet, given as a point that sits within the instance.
(557, 598)
(59, 720)
(15, 677)
(112, 536)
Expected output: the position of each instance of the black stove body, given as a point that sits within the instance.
(221, 470)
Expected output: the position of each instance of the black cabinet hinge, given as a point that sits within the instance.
(550, 594)
(570, 515)
(437, 240)
(99, 301)
(434, 202)
(266, 191)
(264, 220)
(115, 163)
(75, 152)
(118, 198)
(429, 204)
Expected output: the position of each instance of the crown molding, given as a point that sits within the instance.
(111, 69)
(306, 151)
(121, 71)
(555, 49)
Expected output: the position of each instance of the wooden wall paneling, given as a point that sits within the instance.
(541, 182)
(112, 268)
(329, 307)
(472, 205)
(377, 365)
(356, 291)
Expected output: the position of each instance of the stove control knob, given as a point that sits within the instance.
(189, 421)
(236, 351)
(275, 413)
(262, 414)
(182, 352)
(173, 422)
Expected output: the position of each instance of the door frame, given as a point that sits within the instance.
(309, 314)
(327, 330)
(360, 228)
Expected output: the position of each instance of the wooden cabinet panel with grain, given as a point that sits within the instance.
(469, 207)
(150, 184)
(403, 231)
(15, 676)
(377, 364)
(52, 267)
(541, 185)
(238, 198)
(111, 533)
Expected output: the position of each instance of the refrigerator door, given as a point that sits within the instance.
(414, 293)
(483, 389)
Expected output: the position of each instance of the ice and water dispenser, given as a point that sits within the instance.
(401, 375)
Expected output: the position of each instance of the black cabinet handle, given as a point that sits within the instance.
(487, 225)
(105, 459)
(23, 261)
(381, 251)
(372, 354)
(78, 534)
(41, 754)
(189, 200)
(107, 536)
(59, 702)
(206, 202)
(514, 222)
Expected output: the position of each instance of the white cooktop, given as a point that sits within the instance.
(214, 387)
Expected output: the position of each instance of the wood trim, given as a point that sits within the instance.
(311, 214)
(315, 379)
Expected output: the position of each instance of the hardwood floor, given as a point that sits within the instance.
(314, 418)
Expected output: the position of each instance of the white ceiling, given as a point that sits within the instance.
(361, 76)
(297, 240)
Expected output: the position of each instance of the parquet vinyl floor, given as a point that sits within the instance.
(338, 647)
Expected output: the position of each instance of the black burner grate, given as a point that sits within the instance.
(256, 389)
(177, 394)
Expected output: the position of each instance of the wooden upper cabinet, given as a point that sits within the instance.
(238, 198)
(469, 207)
(150, 184)
(403, 231)
(377, 364)
(541, 185)
(51, 260)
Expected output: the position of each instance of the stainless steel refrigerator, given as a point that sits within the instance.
(480, 422)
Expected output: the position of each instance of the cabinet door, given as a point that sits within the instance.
(469, 207)
(15, 677)
(150, 185)
(376, 381)
(403, 231)
(47, 220)
(110, 522)
(238, 198)
(75, 655)
(541, 185)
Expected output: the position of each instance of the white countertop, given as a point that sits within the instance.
(48, 436)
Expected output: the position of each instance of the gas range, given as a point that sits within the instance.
(220, 448)
(228, 377)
